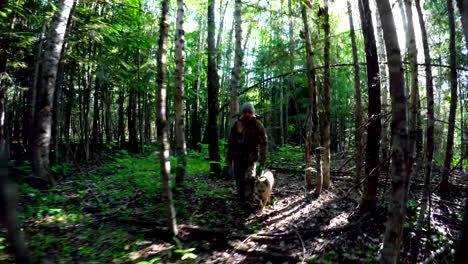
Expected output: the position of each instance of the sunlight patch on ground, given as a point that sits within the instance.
(62, 218)
(295, 214)
(338, 221)
(150, 250)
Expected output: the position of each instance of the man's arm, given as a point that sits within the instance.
(231, 142)
(263, 142)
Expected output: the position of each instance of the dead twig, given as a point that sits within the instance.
(276, 254)
(303, 245)
(365, 178)
(344, 164)
(437, 254)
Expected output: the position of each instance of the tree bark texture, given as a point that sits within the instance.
(357, 96)
(313, 106)
(414, 97)
(463, 7)
(399, 128)
(372, 168)
(213, 94)
(429, 147)
(238, 55)
(384, 88)
(444, 184)
(162, 120)
(181, 148)
(45, 93)
(121, 121)
(326, 101)
(461, 254)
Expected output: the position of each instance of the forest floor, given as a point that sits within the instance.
(111, 212)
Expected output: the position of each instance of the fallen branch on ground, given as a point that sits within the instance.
(307, 233)
(276, 255)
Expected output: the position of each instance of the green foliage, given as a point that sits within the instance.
(60, 168)
(186, 253)
(152, 261)
(288, 156)
(121, 190)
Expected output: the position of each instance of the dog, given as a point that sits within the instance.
(264, 187)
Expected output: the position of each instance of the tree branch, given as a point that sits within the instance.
(318, 68)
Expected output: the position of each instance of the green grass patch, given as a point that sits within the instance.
(83, 218)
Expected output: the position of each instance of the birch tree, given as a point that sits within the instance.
(45, 92)
(238, 55)
(162, 123)
(181, 148)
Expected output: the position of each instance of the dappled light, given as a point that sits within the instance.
(233, 131)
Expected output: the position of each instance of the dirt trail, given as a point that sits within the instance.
(295, 228)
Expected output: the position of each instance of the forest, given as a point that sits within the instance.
(233, 131)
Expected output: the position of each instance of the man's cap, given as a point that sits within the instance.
(248, 107)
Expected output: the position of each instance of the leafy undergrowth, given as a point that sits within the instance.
(113, 213)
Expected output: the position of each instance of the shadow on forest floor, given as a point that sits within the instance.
(112, 213)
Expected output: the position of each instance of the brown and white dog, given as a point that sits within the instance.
(264, 187)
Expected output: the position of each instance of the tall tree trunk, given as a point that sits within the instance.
(444, 184)
(121, 121)
(401, 6)
(213, 94)
(313, 111)
(140, 113)
(58, 106)
(56, 114)
(33, 92)
(95, 133)
(17, 112)
(326, 102)
(86, 108)
(44, 100)
(292, 80)
(414, 98)
(196, 124)
(235, 74)
(227, 65)
(461, 254)
(132, 120)
(181, 149)
(162, 120)
(463, 7)
(384, 88)
(463, 132)
(399, 127)
(372, 168)
(4, 44)
(222, 12)
(429, 147)
(357, 94)
(108, 116)
(68, 109)
(4, 121)
(148, 116)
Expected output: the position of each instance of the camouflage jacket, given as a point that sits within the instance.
(246, 138)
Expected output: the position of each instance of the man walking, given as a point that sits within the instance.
(247, 137)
